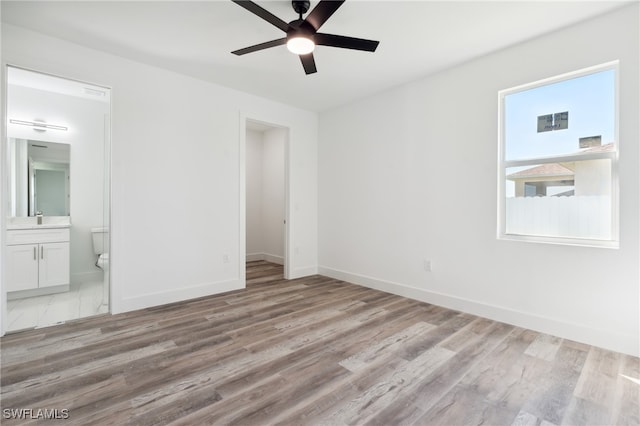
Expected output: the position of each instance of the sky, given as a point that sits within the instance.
(590, 101)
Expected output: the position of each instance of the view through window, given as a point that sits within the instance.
(558, 148)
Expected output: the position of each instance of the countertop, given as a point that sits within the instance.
(11, 227)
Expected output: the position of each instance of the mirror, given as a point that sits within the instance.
(39, 178)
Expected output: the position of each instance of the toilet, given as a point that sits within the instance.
(101, 246)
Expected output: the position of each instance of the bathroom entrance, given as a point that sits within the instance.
(265, 194)
(56, 209)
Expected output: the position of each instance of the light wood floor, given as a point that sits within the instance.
(312, 351)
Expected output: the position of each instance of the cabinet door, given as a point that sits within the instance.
(54, 264)
(22, 267)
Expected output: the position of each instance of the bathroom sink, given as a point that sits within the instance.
(48, 222)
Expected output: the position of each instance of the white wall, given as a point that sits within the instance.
(266, 194)
(85, 121)
(176, 172)
(411, 174)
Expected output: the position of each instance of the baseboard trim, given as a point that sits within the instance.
(303, 271)
(274, 258)
(253, 257)
(178, 295)
(596, 337)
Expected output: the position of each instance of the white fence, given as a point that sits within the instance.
(585, 216)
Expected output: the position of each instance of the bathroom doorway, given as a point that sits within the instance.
(57, 214)
(266, 201)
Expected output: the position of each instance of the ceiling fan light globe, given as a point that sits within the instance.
(300, 45)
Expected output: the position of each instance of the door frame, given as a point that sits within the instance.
(4, 179)
(242, 193)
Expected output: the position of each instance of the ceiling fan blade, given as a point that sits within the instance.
(261, 46)
(345, 42)
(308, 63)
(263, 13)
(322, 12)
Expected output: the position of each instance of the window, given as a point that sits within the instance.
(558, 159)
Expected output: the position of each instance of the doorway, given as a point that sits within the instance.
(266, 201)
(57, 207)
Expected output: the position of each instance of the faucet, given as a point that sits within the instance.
(39, 217)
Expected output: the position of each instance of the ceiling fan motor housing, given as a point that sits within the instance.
(300, 6)
(300, 28)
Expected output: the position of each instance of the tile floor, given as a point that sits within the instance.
(81, 300)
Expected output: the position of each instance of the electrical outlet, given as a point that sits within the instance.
(225, 258)
(427, 265)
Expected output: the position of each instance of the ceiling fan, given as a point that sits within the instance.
(302, 34)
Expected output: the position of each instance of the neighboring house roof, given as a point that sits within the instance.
(555, 169)
(602, 148)
(545, 170)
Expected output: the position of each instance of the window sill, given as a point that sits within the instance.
(580, 242)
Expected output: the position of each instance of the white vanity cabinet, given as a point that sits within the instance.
(37, 258)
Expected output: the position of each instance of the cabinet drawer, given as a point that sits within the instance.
(36, 236)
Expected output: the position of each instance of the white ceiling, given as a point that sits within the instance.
(417, 38)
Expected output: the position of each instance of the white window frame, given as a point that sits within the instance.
(613, 156)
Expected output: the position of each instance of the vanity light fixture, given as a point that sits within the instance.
(38, 125)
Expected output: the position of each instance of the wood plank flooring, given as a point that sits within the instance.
(312, 351)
